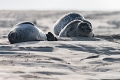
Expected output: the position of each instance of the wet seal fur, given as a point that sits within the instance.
(73, 25)
(27, 31)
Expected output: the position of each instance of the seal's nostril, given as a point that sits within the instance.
(89, 29)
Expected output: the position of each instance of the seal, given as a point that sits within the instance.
(67, 21)
(77, 28)
(27, 31)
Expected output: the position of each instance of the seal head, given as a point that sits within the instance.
(77, 28)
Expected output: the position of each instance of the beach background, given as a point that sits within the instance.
(73, 58)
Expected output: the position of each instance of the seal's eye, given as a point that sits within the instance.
(12, 37)
(83, 26)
